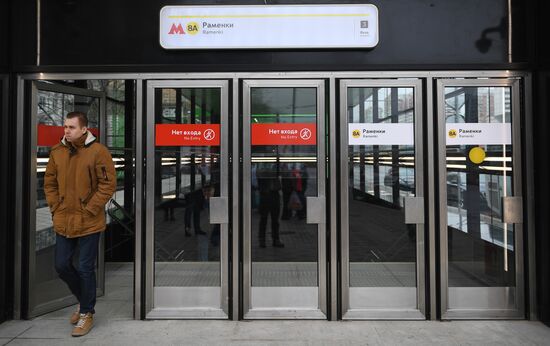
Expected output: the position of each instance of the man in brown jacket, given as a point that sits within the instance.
(80, 179)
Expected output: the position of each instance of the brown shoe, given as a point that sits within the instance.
(84, 324)
(75, 315)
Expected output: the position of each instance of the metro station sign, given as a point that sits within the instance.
(284, 134)
(269, 26)
(478, 133)
(381, 134)
(187, 135)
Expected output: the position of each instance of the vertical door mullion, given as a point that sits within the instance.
(518, 192)
(224, 192)
(235, 227)
(419, 192)
(332, 204)
(442, 175)
(321, 193)
(247, 223)
(344, 199)
(149, 198)
(139, 185)
(31, 245)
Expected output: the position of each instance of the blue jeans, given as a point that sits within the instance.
(81, 281)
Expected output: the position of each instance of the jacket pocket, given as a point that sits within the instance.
(86, 199)
(59, 216)
(59, 206)
(86, 219)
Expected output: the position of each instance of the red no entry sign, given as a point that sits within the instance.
(187, 135)
(284, 134)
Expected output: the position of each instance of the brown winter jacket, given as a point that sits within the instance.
(78, 185)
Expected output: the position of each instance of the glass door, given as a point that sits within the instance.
(382, 222)
(186, 199)
(480, 199)
(50, 103)
(284, 214)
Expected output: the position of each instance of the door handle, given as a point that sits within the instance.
(512, 210)
(316, 212)
(219, 210)
(414, 210)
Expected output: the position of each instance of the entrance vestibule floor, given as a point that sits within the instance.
(115, 326)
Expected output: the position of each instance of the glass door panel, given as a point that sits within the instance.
(188, 251)
(51, 103)
(483, 250)
(382, 251)
(284, 251)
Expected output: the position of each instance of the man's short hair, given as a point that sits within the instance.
(82, 118)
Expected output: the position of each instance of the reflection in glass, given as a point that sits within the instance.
(187, 246)
(481, 247)
(284, 246)
(382, 248)
(119, 139)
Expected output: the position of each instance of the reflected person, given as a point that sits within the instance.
(270, 203)
(204, 223)
(300, 178)
(194, 205)
(287, 187)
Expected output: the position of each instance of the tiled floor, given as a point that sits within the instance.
(112, 331)
(115, 326)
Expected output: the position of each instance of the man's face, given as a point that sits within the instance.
(73, 131)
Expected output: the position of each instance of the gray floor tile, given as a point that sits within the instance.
(109, 330)
(45, 342)
(11, 329)
(4, 341)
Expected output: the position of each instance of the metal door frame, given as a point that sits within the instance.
(347, 312)
(5, 199)
(248, 312)
(33, 310)
(515, 100)
(210, 313)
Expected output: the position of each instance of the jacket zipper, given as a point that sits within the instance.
(85, 200)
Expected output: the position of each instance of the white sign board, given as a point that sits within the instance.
(269, 26)
(381, 134)
(478, 134)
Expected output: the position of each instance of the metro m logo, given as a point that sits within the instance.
(176, 30)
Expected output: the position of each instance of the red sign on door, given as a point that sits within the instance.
(187, 135)
(48, 135)
(284, 134)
